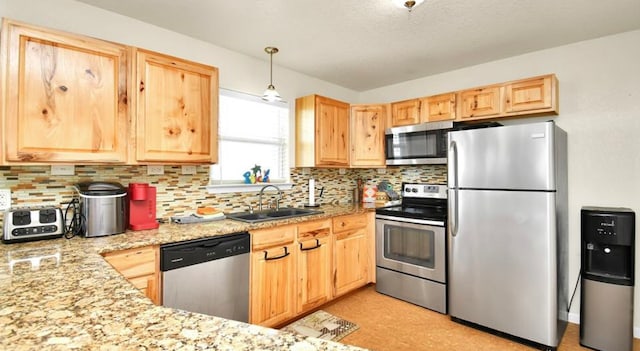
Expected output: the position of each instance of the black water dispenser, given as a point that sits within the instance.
(607, 254)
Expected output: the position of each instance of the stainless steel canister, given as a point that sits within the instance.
(103, 206)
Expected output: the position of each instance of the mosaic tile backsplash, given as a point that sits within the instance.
(180, 195)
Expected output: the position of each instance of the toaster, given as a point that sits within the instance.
(34, 223)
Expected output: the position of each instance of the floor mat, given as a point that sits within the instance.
(322, 325)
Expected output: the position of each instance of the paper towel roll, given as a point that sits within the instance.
(312, 187)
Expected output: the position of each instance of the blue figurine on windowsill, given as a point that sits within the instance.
(255, 175)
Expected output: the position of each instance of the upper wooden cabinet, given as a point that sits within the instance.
(367, 135)
(322, 132)
(438, 108)
(405, 112)
(65, 97)
(70, 99)
(480, 102)
(176, 110)
(530, 96)
(536, 94)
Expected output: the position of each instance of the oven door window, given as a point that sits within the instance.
(410, 245)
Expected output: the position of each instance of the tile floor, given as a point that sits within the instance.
(388, 324)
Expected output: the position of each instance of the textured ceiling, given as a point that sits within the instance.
(367, 44)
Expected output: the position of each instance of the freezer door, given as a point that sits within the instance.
(510, 157)
(502, 262)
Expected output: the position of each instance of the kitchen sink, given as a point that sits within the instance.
(271, 215)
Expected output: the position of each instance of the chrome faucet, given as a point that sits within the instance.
(277, 200)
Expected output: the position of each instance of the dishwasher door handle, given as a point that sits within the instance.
(266, 254)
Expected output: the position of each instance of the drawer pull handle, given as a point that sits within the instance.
(310, 248)
(286, 253)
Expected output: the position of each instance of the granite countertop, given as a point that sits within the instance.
(62, 295)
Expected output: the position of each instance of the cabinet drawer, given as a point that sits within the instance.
(351, 233)
(349, 222)
(315, 229)
(281, 235)
(134, 262)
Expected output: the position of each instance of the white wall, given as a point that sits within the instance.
(599, 109)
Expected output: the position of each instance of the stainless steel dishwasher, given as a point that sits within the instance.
(209, 276)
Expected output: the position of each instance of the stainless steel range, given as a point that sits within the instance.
(411, 247)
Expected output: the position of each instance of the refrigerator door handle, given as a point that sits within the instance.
(453, 206)
(453, 185)
(453, 164)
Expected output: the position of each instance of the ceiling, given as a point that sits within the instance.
(367, 44)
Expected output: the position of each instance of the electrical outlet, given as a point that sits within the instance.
(5, 199)
(342, 171)
(189, 170)
(63, 170)
(306, 171)
(381, 170)
(155, 170)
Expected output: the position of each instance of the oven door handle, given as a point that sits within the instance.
(411, 220)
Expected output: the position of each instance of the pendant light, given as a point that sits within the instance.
(409, 5)
(271, 94)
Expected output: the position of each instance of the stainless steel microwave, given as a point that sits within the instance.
(417, 144)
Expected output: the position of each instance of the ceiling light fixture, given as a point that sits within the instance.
(271, 94)
(409, 5)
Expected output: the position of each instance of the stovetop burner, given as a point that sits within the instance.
(420, 201)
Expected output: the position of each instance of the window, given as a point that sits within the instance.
(251, 132)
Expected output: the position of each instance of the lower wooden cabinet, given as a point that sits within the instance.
(297, 268)
(272, 285)
(141, 266)
(273, 275)
(351, 256)
(315, 252)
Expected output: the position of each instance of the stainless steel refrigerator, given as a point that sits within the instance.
(507, 253)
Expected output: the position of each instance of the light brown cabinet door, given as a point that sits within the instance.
(405, 112)
(272, 285)
(141, 267)
(314, 272)
(351, 256)
(351, 261)
(65, 98)
(367, 135)
(530, 95)
(438, 108)
(332, 132)
(480, 103)
(176, 110)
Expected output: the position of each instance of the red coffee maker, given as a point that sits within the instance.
(142, 206)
